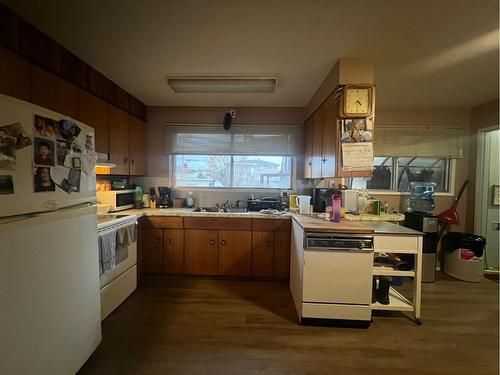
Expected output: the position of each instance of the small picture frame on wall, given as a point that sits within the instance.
(496, 195)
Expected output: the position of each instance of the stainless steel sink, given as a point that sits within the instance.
(221, 210)
(236, 210)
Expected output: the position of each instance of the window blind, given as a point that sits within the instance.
(433, 142)
(264, 140)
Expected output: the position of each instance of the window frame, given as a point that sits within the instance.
(449, 180)
(293, 175)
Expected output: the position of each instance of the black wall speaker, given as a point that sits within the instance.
(227, 121)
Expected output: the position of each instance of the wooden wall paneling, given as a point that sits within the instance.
(119, 140)
(71, 67)
(262, 253)
(152, 250)
(281, 255)
(52, 92)
(138, 147)
(15, 75)
(33, 44)
(235, 253)
(173, 251)
(200, 251)
(121, 99)
(95, 112)
(101, 86)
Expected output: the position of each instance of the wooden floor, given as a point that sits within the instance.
(204, 326)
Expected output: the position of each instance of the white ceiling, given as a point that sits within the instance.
(427, 53)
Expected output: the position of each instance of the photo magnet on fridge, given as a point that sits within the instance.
(7, 151)
(46, 127)
(6, 185)
(16, 130)
(42, 181)
(61, 151)
(44, 151)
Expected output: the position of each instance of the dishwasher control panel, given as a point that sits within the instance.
(338, 242)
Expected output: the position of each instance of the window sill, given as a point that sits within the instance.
(404, 193)
(235, 190)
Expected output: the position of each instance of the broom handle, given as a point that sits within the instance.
(455, 204)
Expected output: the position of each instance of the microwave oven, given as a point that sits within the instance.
(118, 199)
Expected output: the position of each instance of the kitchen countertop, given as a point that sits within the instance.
(372, 217)
(383, 227)
(312, 223)
(189, 212)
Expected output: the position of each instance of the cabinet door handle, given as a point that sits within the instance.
(310, 163)
(212, 242)
(268, 243)
(132, 161)
(223, 242)
(323, 159)
(125, 160)
(157, 241)
(278, 244)
(169, 241)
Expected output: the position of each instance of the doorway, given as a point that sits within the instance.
(487, 182)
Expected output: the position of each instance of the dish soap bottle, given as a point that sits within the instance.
(336, 201)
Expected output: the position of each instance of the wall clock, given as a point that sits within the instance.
(357, 101)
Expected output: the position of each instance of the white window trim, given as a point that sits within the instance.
(451, 193)
(293, 177)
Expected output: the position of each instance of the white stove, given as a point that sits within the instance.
(119, 283)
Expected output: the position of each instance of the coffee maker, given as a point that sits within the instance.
(165, 197)
(321, 198)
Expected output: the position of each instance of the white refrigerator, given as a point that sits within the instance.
(49, 273)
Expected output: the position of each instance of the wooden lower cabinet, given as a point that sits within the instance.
(152, 250)
(235, 253)
(281, 255)
(173, 251)
(262, 254)
(200, 251)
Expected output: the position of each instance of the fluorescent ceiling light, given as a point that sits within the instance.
(222, 85)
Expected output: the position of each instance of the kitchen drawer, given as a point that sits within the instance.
(271, 225)
(217, 223)
(166, 222)
(395, 244)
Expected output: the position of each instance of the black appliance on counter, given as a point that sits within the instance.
(263, 204)
(322, 197)
(165, 197)
(428, 224)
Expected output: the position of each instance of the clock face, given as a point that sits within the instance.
(357, 101)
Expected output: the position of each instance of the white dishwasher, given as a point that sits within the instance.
(337, 276)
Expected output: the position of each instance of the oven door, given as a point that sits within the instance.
(337, 276)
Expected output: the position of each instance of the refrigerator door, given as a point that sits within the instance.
(77, 165)
(50, 319)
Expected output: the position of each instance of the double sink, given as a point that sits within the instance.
(235, 210)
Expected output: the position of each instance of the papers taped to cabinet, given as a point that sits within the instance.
(357, 156)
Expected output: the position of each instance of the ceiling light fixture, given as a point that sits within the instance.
(222, 85)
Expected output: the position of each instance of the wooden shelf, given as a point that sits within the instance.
(398, 302)
(389, 271)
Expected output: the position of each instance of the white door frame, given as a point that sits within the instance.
(481, 199)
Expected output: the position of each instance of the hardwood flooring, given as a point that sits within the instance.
(184, 325)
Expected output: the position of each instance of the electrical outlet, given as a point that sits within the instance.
(233, 113)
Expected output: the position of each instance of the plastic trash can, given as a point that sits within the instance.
(463, 256)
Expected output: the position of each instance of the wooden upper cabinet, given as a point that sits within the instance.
(95, 112)
(235, 253)
(152, 250)
(119, 140)
(330, 134)
(200, 253)
(138, 146)
(54, 93)
(308, 129)
(173, 251)
(317, 134)
(15, 75)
